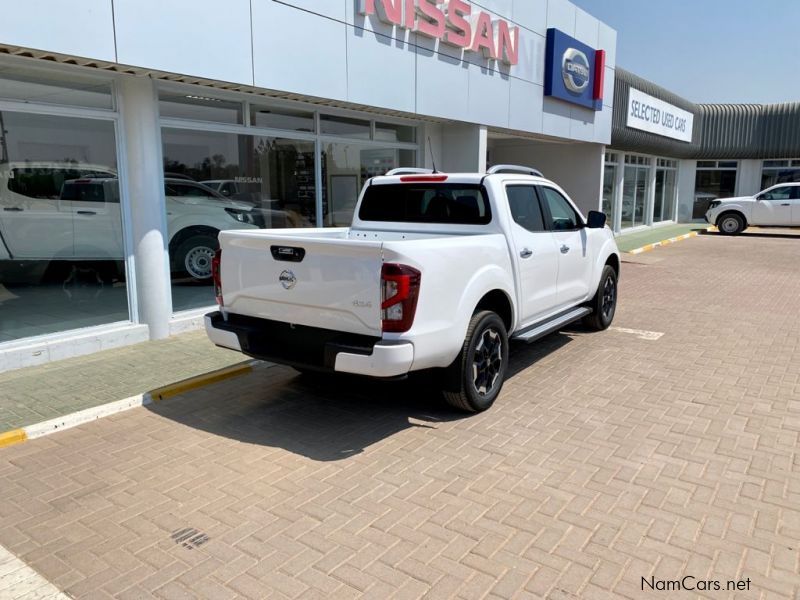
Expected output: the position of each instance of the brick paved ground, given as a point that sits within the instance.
(36, 394)
(607, 458)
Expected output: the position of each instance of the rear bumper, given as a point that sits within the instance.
(309, 347)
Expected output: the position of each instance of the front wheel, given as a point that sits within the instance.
(730, 224)
(604, 303)
(474, 379)
(194, 256)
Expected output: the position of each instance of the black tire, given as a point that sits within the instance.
(193, 256)
(604, 303)
(474, 379)
(730, 223)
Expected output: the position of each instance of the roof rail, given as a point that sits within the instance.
(407, 171)
(514, 169)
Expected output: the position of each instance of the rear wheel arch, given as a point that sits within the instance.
(498, 302)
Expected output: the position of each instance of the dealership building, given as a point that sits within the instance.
(131, 134)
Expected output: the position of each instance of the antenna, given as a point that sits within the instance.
(433, 160)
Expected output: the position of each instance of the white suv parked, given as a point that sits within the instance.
(778, 206)
(62, 211)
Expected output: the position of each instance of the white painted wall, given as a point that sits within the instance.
(326, 49)
(463, 148)
(574, 166)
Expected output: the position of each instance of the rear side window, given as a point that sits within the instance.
(87, 190)
(523, 202)
(456, 203)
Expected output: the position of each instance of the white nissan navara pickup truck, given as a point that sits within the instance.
(437, 271)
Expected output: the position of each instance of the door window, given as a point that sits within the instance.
(781, 193)
(525, 209)
(562, 216)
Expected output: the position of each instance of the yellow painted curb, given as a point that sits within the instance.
(672, 240)
(180, 387)
(15, 436)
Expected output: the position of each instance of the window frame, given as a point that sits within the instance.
(319, 139)
(538, 200)
(580, 222)
(111, 115)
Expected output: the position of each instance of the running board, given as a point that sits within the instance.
(541, 330)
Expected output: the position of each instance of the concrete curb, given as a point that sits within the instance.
(30, 432)
(672, 240)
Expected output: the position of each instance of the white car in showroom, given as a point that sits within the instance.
(777, 206)
(71, 212)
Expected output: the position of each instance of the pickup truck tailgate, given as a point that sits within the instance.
(327, 282)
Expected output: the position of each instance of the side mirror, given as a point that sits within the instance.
(596, 219)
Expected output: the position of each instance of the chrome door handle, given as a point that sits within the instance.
(526, 253)
(564, 248)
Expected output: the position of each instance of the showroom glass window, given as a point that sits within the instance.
(779, 171)
(236, 164)
(609, 185)
(714, 179)
(61, 237)
(635, 187)
(666, 192)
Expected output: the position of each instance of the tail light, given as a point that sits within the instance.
(215, 274)
(399, 293)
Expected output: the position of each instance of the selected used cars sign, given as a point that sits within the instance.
(656, 116)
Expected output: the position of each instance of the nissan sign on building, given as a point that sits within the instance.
(573, 71)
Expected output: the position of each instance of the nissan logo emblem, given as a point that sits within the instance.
(575, 70)
(287, 279)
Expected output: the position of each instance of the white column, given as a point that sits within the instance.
(619, 186)
(463, 148)
(651, 192)
(143, 177)
(748, 177)
(687, 171)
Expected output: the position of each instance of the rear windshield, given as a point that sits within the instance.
(456, 203)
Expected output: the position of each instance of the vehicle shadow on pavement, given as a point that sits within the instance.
(324, 417)
(524, 355)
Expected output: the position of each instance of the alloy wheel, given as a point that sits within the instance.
(609, 297)
(487, 361)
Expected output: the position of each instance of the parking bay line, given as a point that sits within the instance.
(642, 334)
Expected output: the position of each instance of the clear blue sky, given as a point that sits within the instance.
(709, 50)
